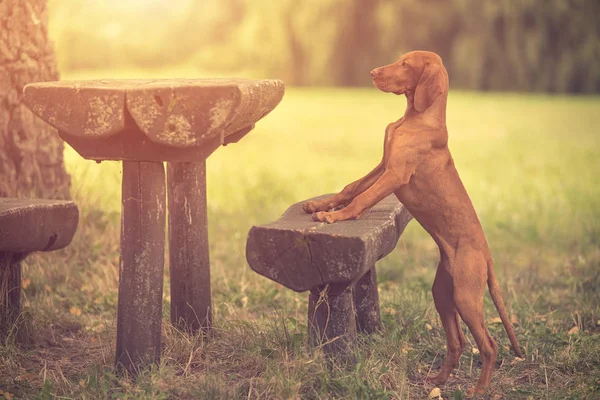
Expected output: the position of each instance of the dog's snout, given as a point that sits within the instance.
(375, 72)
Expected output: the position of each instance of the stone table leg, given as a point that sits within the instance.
(141, 268)
(10, 292)
(331, 320)
(366, 303)
(189, 262)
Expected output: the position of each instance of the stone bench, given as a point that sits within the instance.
(335, 262)
(26, 226)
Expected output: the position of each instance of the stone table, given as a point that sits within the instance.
(145, 123)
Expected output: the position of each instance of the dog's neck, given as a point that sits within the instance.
(434, 115)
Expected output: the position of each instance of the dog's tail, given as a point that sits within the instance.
(496, 295)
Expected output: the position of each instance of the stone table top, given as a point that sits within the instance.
(150, 119)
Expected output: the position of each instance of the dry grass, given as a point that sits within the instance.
(530, 164)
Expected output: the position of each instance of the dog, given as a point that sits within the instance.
(418, 168)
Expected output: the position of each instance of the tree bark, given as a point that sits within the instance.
(31, 153)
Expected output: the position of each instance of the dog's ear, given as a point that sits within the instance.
(431, 85)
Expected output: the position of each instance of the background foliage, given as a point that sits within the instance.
(527, 45)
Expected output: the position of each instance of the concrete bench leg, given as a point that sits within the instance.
(10, 292)
(139, 316)
(331, 320)
(366, 303)
(189, 262)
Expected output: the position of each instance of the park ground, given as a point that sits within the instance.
(530, 164)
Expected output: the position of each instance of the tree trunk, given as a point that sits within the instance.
(31, 153)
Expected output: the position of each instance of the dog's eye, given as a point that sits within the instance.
(404, 64)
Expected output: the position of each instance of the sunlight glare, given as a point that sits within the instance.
(143, 5)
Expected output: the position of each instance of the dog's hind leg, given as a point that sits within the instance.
(455, 338)
(470, 280)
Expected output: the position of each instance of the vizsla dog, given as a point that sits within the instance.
(418, 168)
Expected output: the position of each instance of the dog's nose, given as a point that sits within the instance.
(377, 72)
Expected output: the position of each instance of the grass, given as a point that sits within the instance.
(530, 164)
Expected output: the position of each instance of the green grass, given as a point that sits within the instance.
(530, 164)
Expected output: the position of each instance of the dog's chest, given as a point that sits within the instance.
(389, 134)
(392, 127)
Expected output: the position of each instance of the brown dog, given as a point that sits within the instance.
(418, 168)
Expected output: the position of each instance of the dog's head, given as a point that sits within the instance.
(418, 72)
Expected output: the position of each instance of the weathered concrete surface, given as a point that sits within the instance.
(189, 263)
(10, 294)
(139, 316)
(28, 225)
(302, 254)
(331, 320)
(152, 120)
(366, 303)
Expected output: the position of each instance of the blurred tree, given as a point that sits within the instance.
(528, 45)
(534, 45)
(31, 153)
(356, 47)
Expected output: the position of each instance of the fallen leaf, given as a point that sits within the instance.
(435, 393)
(25, 283)
(475, 350)
(7, 395)
(573, 330)
(26, 377)
(428, 327)
(514, 320)
(75, 311)
(495, 320)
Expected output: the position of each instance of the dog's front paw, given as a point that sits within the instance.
(309, 207)
(323, 216)
(314, 206)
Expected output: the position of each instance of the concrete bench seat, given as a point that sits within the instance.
(26, 226)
